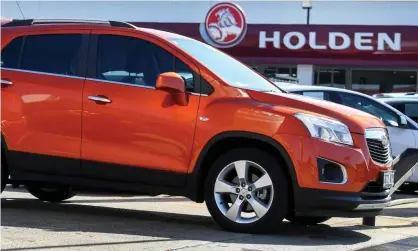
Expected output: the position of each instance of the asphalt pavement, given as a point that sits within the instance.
(120, 222)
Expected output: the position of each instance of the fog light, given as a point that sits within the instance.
(331, 172)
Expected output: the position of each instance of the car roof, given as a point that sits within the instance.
(300, 87)
(71, 23)
(163, 34)
(399, 100)
(396, 94)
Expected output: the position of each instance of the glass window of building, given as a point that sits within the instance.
(384, 81)
(282, 73)
(330, 77)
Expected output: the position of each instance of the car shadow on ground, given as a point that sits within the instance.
(31, 213)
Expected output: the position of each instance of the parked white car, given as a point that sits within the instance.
(403, 131)
(409, 107)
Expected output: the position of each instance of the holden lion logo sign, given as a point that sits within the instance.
(225, 25)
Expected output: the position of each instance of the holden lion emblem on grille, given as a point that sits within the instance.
(385, 141)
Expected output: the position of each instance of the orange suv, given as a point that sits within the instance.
(94, 104)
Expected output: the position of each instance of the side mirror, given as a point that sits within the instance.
(402, 121)
(174, 84)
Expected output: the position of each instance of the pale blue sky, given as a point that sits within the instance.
(276, 12)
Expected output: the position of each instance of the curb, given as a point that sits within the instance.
(402, 201)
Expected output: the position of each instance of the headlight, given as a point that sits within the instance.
(326, 129)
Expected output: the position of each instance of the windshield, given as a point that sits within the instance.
(227, 68)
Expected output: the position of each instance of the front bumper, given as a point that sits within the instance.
(370, 201)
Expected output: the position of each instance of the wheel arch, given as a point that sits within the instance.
(230, 140)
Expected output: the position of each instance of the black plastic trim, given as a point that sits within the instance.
(85, 184)
(29, 22)
(92, 56)
(61, 167)
(318, 202)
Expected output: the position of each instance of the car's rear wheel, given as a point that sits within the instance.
(409, 188)
(50, 193)
(247, 191)
(306, 220)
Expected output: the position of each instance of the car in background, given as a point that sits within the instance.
(396, 95)
(409, 107)
(403, 130)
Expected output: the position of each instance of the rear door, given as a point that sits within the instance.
(42, 84)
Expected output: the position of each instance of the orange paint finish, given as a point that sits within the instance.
(141, 127)
(304, 150)
(355, 119)
(42, 114)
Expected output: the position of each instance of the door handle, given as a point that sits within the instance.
(100, 99)
(6, 82)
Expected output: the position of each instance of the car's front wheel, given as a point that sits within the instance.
(247, 191)
(50, 193)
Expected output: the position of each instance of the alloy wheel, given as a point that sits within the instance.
(243, 191)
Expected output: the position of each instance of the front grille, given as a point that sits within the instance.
(379, 146)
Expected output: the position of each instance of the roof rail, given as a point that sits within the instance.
(29, 22)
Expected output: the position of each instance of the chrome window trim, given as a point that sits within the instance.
(43, 73)
(120, 83)
(343, 170)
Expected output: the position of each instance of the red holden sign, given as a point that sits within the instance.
(225, 25)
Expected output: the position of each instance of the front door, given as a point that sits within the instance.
(131, 131)
(42, 99)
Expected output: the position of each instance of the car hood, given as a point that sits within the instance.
(356, 120)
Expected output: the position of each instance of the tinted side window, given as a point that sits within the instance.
(11, 53)
(389, 117)
(57, 54)
(399, 107)
(138, 62)
(411, 110)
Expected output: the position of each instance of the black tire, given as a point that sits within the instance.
(409, 188)
(279, 205)
(4, 172)
(50, 193)
(306, 220)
